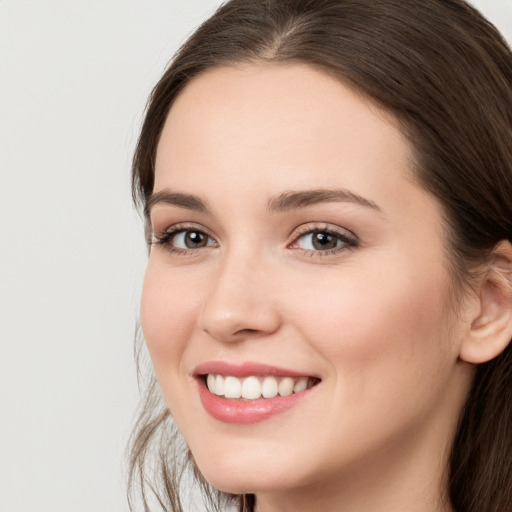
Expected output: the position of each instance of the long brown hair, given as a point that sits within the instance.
(445, 74)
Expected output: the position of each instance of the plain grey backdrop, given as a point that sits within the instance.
(74, 78)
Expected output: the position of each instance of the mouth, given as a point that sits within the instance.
(250, 393)
(254, 387)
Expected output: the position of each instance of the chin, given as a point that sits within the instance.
(245, 481)
(251, 471)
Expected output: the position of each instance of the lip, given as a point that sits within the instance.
(242, 411)
(246, 370)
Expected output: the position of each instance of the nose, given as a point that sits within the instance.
(240, 302)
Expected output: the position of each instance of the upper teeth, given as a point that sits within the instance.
(253, 387)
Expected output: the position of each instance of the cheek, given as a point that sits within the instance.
(376, 323)
(168, 317)
(388, 344)
(167, 313)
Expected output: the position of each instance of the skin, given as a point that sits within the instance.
(373, 320)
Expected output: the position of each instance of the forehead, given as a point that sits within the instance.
(286, 115)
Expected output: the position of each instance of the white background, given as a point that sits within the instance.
(74, 78)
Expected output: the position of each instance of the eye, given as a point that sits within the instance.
(190, 239)
(323, 240)
(184, 239)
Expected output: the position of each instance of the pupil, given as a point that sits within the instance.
(194, 239)
(323, 241)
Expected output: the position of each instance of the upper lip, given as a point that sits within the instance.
(246, 369)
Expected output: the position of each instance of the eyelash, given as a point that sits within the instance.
(347, 241)
(165, 239)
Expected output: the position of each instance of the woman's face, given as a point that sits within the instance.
(293, 249)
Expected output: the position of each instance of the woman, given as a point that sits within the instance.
(328, 298)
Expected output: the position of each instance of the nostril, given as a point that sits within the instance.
(246, 332)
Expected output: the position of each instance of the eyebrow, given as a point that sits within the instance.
(290, 200)
(188, 201)
(301, 199)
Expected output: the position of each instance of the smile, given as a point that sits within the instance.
(255, 387)
(250, 392)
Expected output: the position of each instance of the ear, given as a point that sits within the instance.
(490, 330)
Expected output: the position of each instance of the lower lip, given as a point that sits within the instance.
(246, 411)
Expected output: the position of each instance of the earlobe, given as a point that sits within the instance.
(490, 330)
